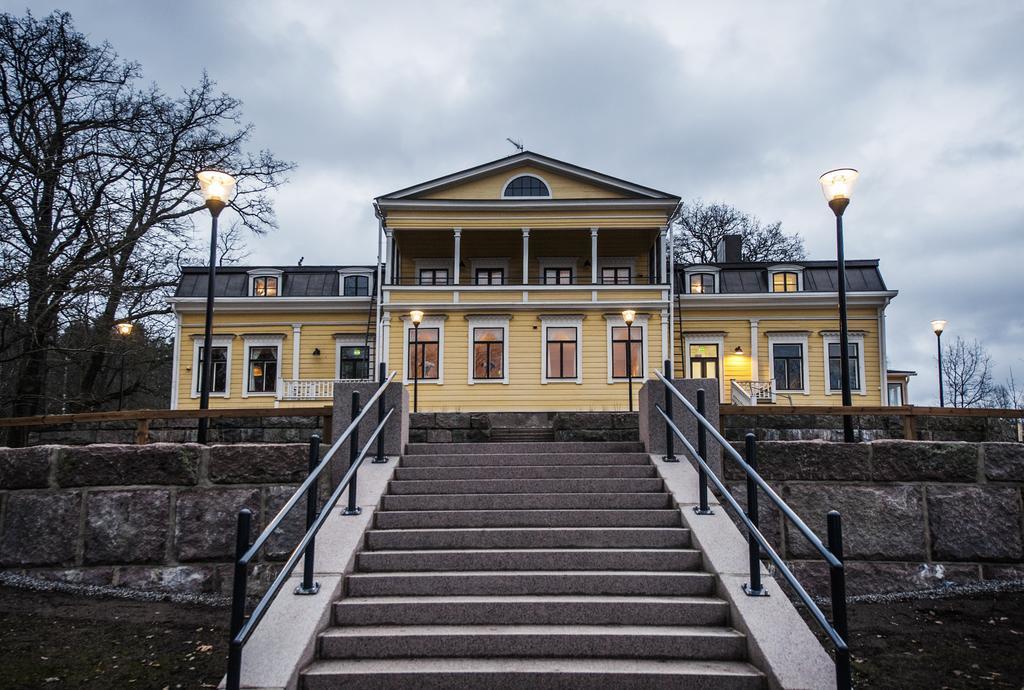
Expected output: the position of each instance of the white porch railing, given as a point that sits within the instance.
(752, 392)
(309, 389)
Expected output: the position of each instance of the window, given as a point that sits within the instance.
(488, 353)
(896, 394)
(788, 363)
(835, 375)
(490, 276)
(635, 341)
(704, 361)
(527, 185)
(262, 369)
(433, 276)
(558, 276)
(264, 286)
(424, 350)
(560, 351)
(702, 283)
(353, 362)
(219, 374)
(785, 281)
(356, 286)
(616, 275)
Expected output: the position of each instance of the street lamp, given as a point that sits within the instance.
(629, 315)
(124, 329)
(938, 325)
(217, 189)
(837, 185)
(416, 316)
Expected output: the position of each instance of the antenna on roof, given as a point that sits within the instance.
(301, 259)
(517, 144)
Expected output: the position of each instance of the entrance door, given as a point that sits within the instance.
(704, 361)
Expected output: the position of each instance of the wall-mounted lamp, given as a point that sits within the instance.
(316, 351)
(738, 350)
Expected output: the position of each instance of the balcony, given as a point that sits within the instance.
(310, 389)
(753, 392)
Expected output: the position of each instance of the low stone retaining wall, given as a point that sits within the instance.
(808, 427)
(916, 515)
(465, 427)
(155, 517)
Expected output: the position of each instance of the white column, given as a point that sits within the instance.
(389, 269)
(663, 256)
(526, 256)
(296, 348)
(458, 255)
(593, 256)
(665, 352)
(385, 341)
(753, 350)
(882, 357)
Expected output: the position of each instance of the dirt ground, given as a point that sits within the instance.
(53, 640)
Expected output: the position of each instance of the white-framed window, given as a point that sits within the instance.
(488, 271)
(617, 338)
(558, 270)
(262, 364)
(265, 282)
(701, 280)
(833, 362)
(785, 278)
(434, 271)
(488, 349)
(355, 285)
(788, 356)
(353, 357)
(526, 186)
(220, 382)
(703, 356)
(616, 270)
(561, 341)
(425, 349)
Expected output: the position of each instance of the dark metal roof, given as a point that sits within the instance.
(297, 281)
(862, 275)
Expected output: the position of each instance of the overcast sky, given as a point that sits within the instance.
(741, 102)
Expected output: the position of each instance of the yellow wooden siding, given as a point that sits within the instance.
(485, 296)
(638, 295)
(491, 187)
(525, 392)
(420, 220)
(413, 297)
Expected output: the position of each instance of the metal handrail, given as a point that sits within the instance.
(312, 477)
(752, 473)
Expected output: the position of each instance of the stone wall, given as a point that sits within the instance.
(807, 427)
(916, 514)
(155, 517)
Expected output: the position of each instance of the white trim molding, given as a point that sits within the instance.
(435, 321)
(561, 321)
(488, 321)
(793, 338)
(275, 340)
(615, 321)
(832, 337)
(701, 268)
(218, 341)
(176, 363)
(786, 268)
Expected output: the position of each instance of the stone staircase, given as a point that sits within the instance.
(529, 565)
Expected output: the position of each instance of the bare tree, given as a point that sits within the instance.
(967, 373)
(1009, 395)
(701, 226)
(97, 193)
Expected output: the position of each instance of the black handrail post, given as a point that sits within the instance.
(382, 376)
(837, 580)
(754, 588)
(670, 441)
(702, 451)
(353, 453)
(238, 588)
(308, 586)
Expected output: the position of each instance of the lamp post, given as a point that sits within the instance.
(416, 316)
(837, 185)
(938, 325)
(217, 188)
(124, 329)
(629, 315)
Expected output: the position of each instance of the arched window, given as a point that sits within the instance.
(527, 185)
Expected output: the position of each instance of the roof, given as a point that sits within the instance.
(528, 157)
(862, 275)
(297, 281)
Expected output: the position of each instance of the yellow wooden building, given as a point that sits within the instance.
(522, 268)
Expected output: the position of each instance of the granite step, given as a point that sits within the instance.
(500, 448)
(520, 459)
(528, 472)
(498, 502)
(529, 559)
(523, 486)
(529, 538)
(390, 519)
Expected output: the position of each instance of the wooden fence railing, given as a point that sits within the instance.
(142, 418)
(909, 413)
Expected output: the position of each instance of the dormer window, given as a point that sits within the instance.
(526, 185)
(785, 278)
(356, 286)
(702, 283)
(264, 286)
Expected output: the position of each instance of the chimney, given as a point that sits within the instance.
(729, 249)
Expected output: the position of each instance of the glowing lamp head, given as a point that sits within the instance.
(416, 316)
(629, 315)
(838, 184)
(738, 351)
(938, 325)
(124, 328)
(217, 187)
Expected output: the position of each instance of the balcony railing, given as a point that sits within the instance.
(310, 389)
(753, 392)
(468, 281)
